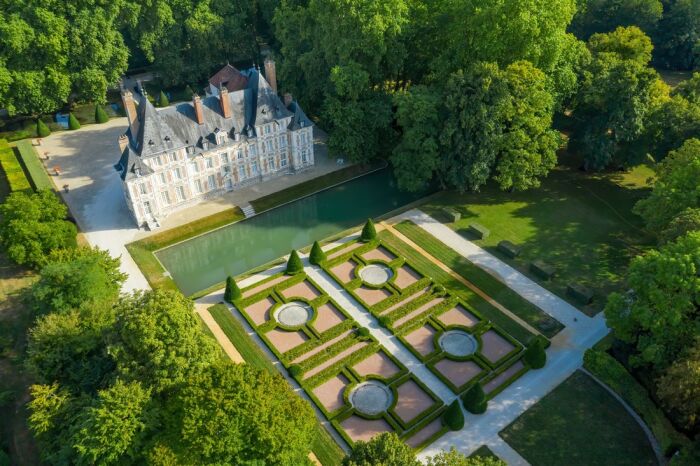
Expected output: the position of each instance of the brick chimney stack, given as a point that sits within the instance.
(271, 73)
(225, 103)
(130, 110)
(198, 110)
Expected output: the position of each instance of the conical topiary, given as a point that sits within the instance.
(100, 114)
(534, 355)
(163, 100)
(232, 293)
(475, 400)
(73, 122)
(317, 255)
(294, 264)
(368, 231)
(188, 91)
(41, 129)
(453, 416)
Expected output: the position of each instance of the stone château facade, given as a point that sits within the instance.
(241, 133)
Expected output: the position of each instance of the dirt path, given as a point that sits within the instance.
(224, 342)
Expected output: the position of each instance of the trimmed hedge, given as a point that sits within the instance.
(609, 371)
(368, 231)
(100, 114)
(317, 255)
(41, 129)
(453, 416)
(509, 249)
(475, 399)
(294, 265)
(73, 122)
(452, 215)
(163, 99)
(535, 355)
(37, 175)
(479, 230)
(542, 269)
(295, 370)
(580, 293)
(232, 292)
(16, 177)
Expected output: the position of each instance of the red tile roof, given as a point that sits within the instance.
(229, 77)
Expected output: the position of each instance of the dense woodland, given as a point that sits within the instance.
(455, 92)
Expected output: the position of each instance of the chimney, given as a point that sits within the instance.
(225, 104)
(288, 99)
(130, 110)
(123, 142)
(198, 110)
(271, 74)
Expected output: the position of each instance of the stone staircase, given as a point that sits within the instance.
(248, 210)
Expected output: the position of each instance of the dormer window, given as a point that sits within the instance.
(220, 136)
(151, 143)
(236, 137)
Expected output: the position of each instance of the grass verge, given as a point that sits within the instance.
(482, 279)
(324, 447)
(37, 174)
(579, 424)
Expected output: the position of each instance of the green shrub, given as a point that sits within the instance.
(13, 169)
(475, 399)
(73, 122)
(535, 355)
(163, 100)
(188, 91)
(479, 231)
(232, 292)
(4, 458)
(368, 231)
(384, 321)
(41, 129)
(509, 249)
(294, 265)
(453, 417)
(295, 370)
(317, 255)
(363, 332)
(542, 269)
(100, 114)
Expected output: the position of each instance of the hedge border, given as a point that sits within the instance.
(37, 174)
(16, 177)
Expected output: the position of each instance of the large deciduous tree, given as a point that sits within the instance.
(385, 449)
(679, 387)
(677, 38)
(596, 16)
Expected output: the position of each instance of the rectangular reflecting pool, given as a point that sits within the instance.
(203, 261)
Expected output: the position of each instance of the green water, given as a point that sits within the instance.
(201, 262)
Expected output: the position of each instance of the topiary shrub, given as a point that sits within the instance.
(453, 417)
(100, 114)
(535, 355)
(368, 231)
(233, 292)
(384, 321)
(41, 129)
(188, 91)
(295, 370)
(163, 99)
(317, 255)
(294, 265)
(475, 399)
(363, 332)
(73, 122)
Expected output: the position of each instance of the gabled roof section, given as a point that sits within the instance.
(230, 77)
(269, 106)
(131, 166)
(299, 118)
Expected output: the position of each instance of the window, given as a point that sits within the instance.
(142, 188)
(283, 159)
(177, 173)
(267, 129)
(198, 186)
(303, 156)
(239, 154)
(147, 208)
(210, 162)
(180, 193)
(165, 197)
(224, 158)
(283, 141)
(252, 151)
(226, 169)
(241, 172)
(195, 166)
(254, 168)
(270, 146)
(159, 161)
(229, 184)
(173, 157)
(212, 182)
(271, 163)
(163, 179)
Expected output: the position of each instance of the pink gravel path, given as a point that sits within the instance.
(284, 340)
(458, 372)
(422, 339)
(494, 346)
(412, 401)
(259, 312)
(330, 393)
(342, 355)
(377, 364)
(358, 428)
(372, 296)
(345, 271)
(380, 253)
(320, 348)
(458, 316)
(301, 290)
(502, 377)
(425, 433)
(406, 276)
(327, 317)
(345, 250)
(415, 313)
(404, 301)
(262, 286)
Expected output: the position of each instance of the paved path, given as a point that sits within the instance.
(202, 308)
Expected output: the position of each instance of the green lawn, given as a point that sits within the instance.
(484, 452)
(581, 224)
(482, 279)
(324, 447)
(579, 423)
(429, 269)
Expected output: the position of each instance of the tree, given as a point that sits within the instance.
(455, 458)
(32, 225)
(685, 222)
(475, 399)
(385, 449)
(659, 317)
(678, 36)
(675, 188)
(317, 255)
(679, 387)
(595, 16)
(670, 124)
(453, 416)
(41, 129)
(368, 231)
(73, 122)
(100, 114)
(689, 89)
(232, 292)
(294, 264)
(535, 355)
(417, 156)
(163, 99)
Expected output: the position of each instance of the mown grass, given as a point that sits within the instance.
(429, 269)
(498, 291)
(324, 447)
(579, 424)
(484, 452)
